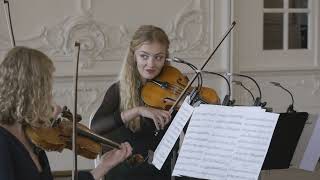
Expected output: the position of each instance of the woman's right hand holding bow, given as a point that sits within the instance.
(160, 117)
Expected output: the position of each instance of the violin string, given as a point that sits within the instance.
(177, 90)
(172, 87)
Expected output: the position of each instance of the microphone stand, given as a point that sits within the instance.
(226, 100)
(290, 109)
(9, 23)
(257, 101)
(240, 83)
(203, 65)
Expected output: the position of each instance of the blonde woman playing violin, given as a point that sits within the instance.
(25, 100)
(122, 114)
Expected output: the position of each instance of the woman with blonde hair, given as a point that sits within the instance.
(122, 114)
(26, 100)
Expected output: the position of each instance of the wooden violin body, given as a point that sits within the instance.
(60, 137)
(168, 86)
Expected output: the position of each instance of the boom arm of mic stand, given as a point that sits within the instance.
(257, 101)
(244, 87)
(226, 100)
(74, 125)
(290, 108)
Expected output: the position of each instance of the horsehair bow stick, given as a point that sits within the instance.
(6, 8)
(74, 122)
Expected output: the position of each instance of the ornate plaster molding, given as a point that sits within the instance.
(188, 32)
(193, 16)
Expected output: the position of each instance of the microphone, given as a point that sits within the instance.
(241, 84)
(226, 100)
(257, 101)
(290, 109)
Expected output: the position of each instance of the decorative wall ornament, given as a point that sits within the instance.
(90, 36)
(188, 32)
(192, 21)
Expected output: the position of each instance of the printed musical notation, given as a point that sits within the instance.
(172, 134)
(225, 143)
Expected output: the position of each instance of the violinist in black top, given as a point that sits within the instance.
(26, 100)
(122, 114)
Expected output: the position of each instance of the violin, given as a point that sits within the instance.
(162, 91)
(59, 137)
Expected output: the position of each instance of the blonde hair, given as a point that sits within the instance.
(26, 87)
(129, 78)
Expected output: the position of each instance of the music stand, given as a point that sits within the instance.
(284, 140)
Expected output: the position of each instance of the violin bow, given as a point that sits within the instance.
(202, 67)
(6, 8)
(74, 122)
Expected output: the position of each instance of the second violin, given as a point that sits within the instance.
(59, 137)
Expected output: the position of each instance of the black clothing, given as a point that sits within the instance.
(17, 164)
(108, 123)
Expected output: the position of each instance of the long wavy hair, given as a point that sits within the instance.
(26, 87)
(129, 77)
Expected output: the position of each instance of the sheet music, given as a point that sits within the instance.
(249, 108)
(208, 143)
(220, 141)
(252, 145)
(172, 134)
